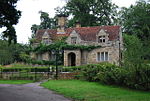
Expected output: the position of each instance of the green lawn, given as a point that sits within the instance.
(89, 91)
(15, 81)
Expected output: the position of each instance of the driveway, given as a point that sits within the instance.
(28, 92)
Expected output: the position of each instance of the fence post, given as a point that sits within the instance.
(48, 72)
(1, 73)
(35, 73)
(27, 73)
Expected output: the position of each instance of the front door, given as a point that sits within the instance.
(71, 59)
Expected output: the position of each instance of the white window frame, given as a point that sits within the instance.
(46, 40)
(73, 40)
(99, 54)
(102, 39)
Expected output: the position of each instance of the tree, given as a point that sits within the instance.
(9, 16)
(135, 21)
(133, 51)
(91, 12)
(46, 23)
(136, 18)
(11, 53)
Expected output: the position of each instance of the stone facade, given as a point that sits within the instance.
(108, 37)
(67, 57)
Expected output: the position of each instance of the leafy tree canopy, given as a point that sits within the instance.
(136, 18)
(11, 53)
(133, 52)
(9, 16)
(135, 21)
(90, 12)
(46, 23)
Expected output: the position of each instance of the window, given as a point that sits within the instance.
(45, 40)
(101, 39)
(52, 56)
(73, 40)
(103, 56)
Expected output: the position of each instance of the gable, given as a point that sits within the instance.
(85, 33)
(101, 32)
(45, 35)
(74, 35)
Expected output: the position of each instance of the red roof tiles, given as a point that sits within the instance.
(86, 33)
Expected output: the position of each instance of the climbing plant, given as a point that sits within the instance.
(61, 45)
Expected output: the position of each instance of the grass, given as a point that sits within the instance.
(89, 91)
(15, 81)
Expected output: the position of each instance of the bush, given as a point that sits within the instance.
(114, 75)
(139, 78)
(71, 69)
(26, 69)
(90, 72)
(43, 62)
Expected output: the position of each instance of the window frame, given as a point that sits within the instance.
(46, 40)
(102, 39)
(73, 40)
(105, 56)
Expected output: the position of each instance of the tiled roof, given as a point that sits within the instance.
(86, 33)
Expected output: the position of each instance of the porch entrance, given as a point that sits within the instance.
(71, 59)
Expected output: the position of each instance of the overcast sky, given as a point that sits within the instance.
(30, 15)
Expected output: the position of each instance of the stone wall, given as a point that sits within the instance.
(113, 55)
(78, 57)
(45, 56)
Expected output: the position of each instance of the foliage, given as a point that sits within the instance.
(90, 12)
(22, 65)
(11, 53)
(90, 91)
(139, 78)
(71, 69)
(25, 69)
(9, 16)
(133, 51)
(61, 45)
(24, 57)
(113, 75)
(44, 62)
(104, 72)
(46, 23)
(135, 21)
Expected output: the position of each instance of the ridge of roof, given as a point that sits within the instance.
(86, 33)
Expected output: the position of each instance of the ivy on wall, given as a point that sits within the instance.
(61, 45)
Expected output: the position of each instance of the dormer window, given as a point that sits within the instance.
(73, 40)
(46, 41)
(101, 39)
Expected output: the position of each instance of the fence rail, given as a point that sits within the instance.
(36, 73)
(25, 74)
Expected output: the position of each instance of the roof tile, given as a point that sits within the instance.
(86, 33)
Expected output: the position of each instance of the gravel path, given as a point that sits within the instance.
(28, 92)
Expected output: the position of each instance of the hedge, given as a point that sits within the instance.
(138, 78)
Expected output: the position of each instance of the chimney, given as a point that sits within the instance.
(62, 19)
(78, 24)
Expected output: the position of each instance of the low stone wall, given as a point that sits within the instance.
(67, 75)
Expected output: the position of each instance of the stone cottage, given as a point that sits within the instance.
(108, 37)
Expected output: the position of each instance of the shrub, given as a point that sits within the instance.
(27, 69)
(71, 69)
(90, 72)
(138, 78)
(106, 73)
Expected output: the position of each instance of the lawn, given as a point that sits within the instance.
(15, 81)
(90, 91)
